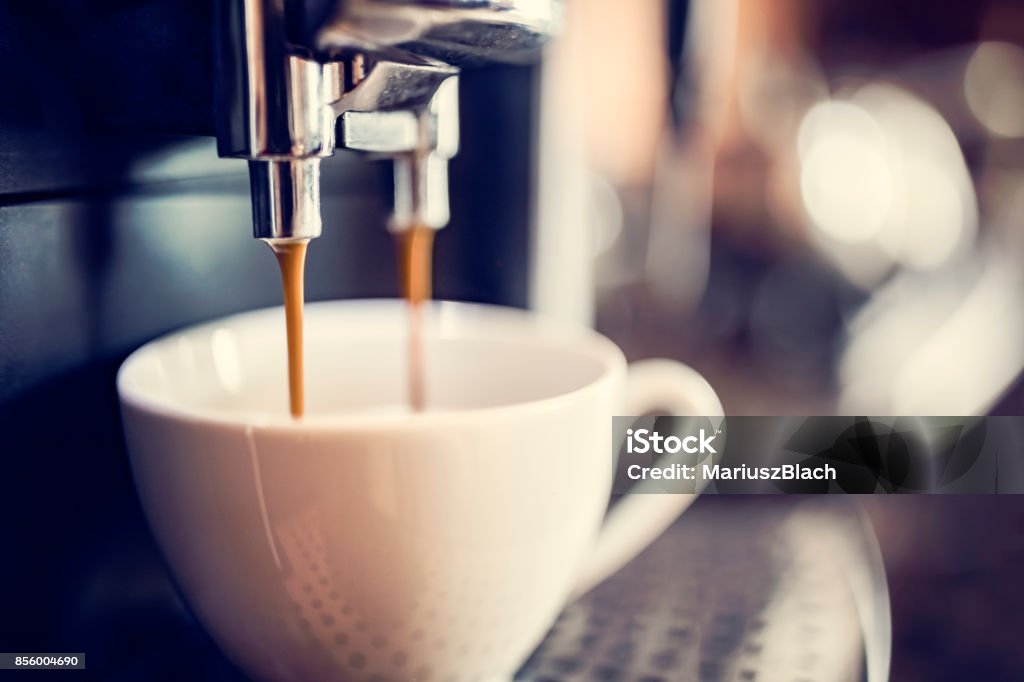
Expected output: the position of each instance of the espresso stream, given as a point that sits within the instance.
(291, 257)
(415, 250)
(415, 266)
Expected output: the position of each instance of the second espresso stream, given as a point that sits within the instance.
(415, 267)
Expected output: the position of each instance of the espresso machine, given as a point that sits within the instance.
(141, 142)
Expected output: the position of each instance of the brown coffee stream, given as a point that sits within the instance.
(291, 257)
(415, 261)
(415, 266)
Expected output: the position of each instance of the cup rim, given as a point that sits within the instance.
(597, 346)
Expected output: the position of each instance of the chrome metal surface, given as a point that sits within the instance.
(271, 99)
(285, 199)
(409, 112)
(455, 31)
(280, 102)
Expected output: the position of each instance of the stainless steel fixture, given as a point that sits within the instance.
(375, 76)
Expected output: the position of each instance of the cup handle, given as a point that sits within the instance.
(651, 385)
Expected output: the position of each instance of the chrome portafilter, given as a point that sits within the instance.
(298, 79)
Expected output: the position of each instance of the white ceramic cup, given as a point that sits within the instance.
(368, 542)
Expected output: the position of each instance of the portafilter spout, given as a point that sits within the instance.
(298, 78)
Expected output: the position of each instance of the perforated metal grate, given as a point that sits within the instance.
(736, 591)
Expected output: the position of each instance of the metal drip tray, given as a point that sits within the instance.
(737, 591)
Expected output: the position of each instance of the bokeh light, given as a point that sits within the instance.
(885, 184)
(994, 88)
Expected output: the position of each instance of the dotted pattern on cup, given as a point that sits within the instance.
(336, 634)
(727, 595)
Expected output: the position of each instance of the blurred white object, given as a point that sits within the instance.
(838, 540)
(994, 88)
(561, 284)
(679, 240)
(884, 182)
(846, 177)
(943, 343)
(601, 114)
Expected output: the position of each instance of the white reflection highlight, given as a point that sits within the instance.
(607, 214)
(447, 319)
(226, 361)
(186, 354)
(189, 158)
(994, 88)
(182, 367)
(195, 230)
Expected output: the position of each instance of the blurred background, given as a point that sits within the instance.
(817, 204)
(822, 214)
